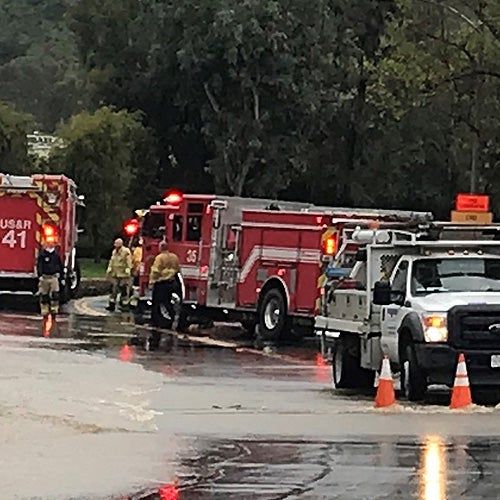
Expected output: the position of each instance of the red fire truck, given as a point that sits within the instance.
(34, 209)
(258, 262)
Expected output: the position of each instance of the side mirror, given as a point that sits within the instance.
(216, 219)
(382, 293)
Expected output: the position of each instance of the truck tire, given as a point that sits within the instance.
(273, 320)
(346, 369)
(74, 278)
(413, 381)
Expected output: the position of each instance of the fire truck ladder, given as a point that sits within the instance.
(17, 183)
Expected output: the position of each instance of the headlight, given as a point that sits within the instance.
(435, 327)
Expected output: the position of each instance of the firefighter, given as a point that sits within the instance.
(50, 270)
(136, 261)
(163, 279)
(136, 271)
(119, 273)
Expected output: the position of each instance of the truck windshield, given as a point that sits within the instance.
(153, 225)
(455, 275)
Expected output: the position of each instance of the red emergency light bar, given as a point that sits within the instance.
(173, 198)
(131, 227)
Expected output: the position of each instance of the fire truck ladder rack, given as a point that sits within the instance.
(395, 215)
(17, 183)
(435, 235)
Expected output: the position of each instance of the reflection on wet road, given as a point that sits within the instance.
(85, 415)
(396, 468)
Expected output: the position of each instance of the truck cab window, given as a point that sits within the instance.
(177, 226)
(400, 279)
(153, 225)
(194, 228)
(194, 218)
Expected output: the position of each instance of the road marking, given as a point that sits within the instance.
(82, 306)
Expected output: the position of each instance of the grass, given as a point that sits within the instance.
(91, 269)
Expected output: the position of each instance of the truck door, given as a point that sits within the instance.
(189, 235)
(18, 231)
(392, 315)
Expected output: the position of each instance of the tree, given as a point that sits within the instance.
(142, 78)
(39, 67)
(253, 86)
(13, 144)
(101, 153)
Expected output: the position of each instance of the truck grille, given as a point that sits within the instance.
(470, 327)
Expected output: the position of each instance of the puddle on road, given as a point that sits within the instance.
(432, 468)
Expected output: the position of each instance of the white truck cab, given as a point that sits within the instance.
(420, 298)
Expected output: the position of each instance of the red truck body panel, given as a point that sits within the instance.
(283, 245)
(18, 233)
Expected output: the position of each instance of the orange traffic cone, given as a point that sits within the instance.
(385, 391)
(461, 396)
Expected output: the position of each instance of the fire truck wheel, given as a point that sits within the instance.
(73, 280)
(413, 382)
(272, 315)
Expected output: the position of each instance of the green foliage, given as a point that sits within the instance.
(39, 67)
(13, 145)
(90, 269)
(101, 154)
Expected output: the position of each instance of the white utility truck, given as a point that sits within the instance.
(420, 296)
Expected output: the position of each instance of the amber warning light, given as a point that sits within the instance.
(131, 227)
(330, 245)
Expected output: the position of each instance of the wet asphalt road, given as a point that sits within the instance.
(85, 416)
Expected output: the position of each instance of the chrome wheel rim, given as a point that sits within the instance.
(406, 385)
(338, 365)
(272, 314)
(73, 280)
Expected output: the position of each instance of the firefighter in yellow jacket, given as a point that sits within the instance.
(136, 261)
(119, 273)
(163, 279)
(136, 271)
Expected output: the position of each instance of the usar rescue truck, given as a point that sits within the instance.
(421, 296)
(254, 261)
(34, 209)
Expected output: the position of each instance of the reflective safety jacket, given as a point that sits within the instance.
(165, 266)
(136, 260)
(120, 264)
